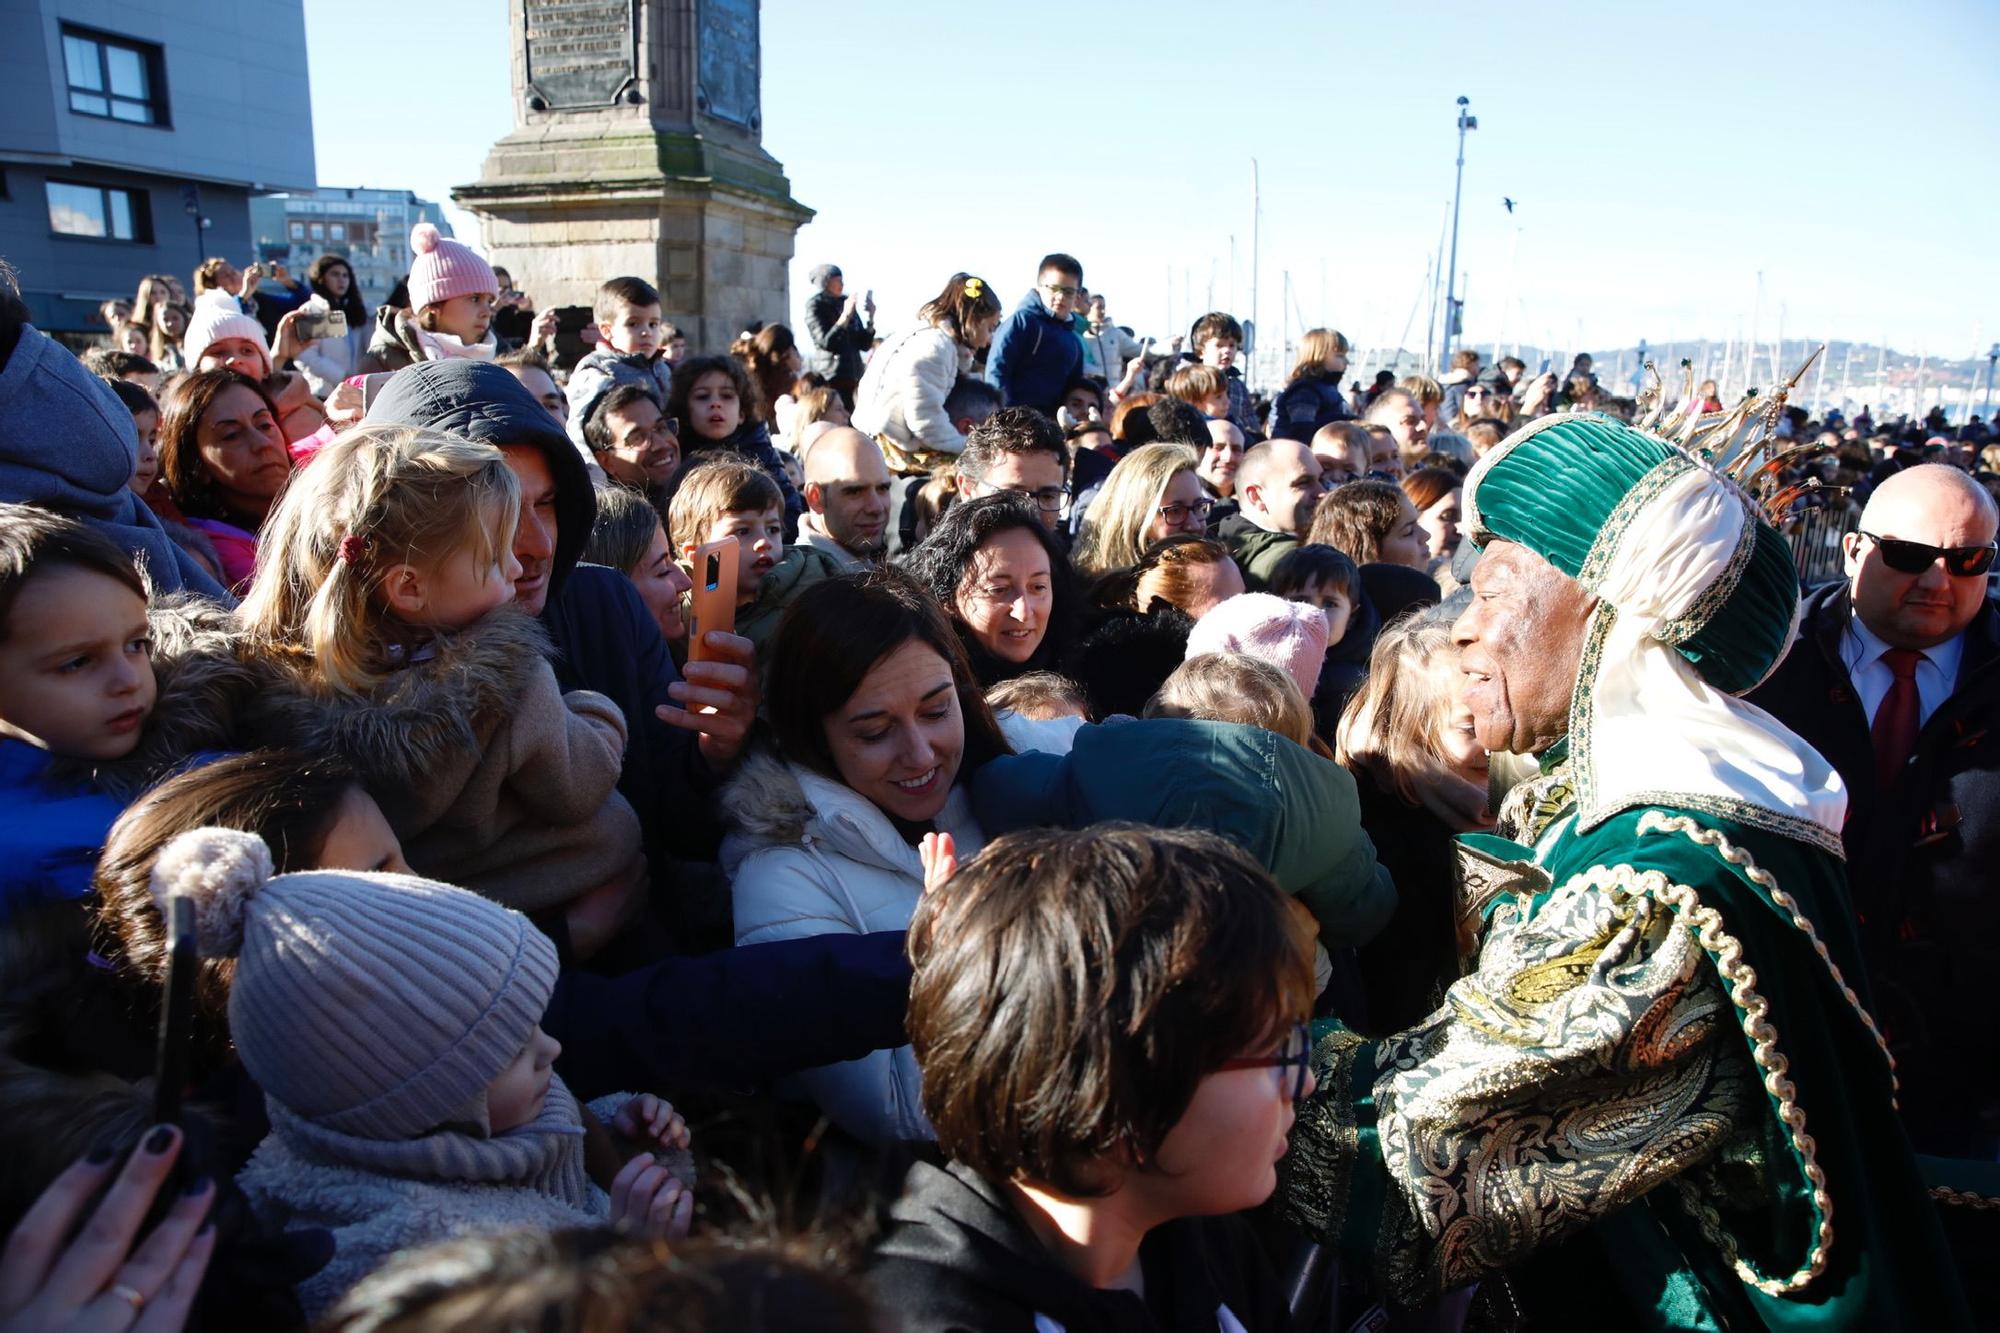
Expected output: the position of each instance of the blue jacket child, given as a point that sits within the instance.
(1034, 355)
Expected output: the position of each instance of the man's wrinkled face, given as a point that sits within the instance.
(1521, 646)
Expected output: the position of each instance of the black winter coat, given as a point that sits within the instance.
(958, 1257)
(1920, 861)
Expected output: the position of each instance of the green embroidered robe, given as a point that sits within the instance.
(1655, 1103)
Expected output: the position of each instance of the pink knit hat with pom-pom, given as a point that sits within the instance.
(444, 268)
(1289, 635)
(374, 1005)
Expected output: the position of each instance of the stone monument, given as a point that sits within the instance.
(637, 150)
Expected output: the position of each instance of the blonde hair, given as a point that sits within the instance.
(710, 490)
(1394, 725)
(1235, 687)
(1114, 527)
(1196, 383)
(1427, 391)
(1314, 348)
(1041, 696)
(408, 496)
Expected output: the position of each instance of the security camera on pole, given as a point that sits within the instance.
(1465, 122)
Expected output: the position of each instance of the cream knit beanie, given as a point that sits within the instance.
(375, 1005)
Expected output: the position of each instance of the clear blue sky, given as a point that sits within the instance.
(1660, 156)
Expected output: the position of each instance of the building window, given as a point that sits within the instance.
(114, 77)
(100, 211)
(336, 231)
(318, 231)
(298, 231)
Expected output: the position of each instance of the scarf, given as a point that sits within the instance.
(545, 1155)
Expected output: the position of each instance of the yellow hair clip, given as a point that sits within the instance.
(974, 289)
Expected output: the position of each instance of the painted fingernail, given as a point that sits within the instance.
(101, 1154)
(161, 1139)
(199, 1185)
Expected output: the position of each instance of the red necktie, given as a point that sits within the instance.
(1897, 720)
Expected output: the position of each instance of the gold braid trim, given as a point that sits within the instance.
(1754, 1017)
(1653, 821)
(1964, 1198)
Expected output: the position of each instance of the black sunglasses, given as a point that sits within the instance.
(1962, 562)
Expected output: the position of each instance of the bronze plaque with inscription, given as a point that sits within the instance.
(581, 53)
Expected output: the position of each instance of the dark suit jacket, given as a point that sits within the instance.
(1923, 861)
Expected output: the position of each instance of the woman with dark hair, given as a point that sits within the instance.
(998, 572)
(721, 415)
(1111, 1026)
(876, 722)
(222, 462)
(329, 360)
(771, 356)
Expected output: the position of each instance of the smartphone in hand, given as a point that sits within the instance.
(715, 573)
(176, 1012)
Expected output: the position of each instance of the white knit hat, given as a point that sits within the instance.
(217, 315)
(379, 1006)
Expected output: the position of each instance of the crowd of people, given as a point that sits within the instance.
(983, 824)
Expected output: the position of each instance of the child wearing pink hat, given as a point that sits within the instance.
(452, 295)
(1289, 635)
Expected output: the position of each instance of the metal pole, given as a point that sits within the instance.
(1465, 122)
(1256, 218)
(1992, 360)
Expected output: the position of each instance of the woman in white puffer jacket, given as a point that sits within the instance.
(878, 721)
(902, 393)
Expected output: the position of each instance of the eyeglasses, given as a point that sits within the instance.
(1049, 499)
(1057, 289)
(1178, 513)
(1962, 562)
(1296, 1055)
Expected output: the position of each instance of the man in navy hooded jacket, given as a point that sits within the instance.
(1036, 353)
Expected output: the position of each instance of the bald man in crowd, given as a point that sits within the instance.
(847, 497)
(1278, 486)
(1895, 678)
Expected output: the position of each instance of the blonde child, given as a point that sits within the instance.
(380, 598)
(730, 500)
(632, 339)
(452, 296)
(393, 1026)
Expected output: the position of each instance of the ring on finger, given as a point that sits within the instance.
(130, 1295)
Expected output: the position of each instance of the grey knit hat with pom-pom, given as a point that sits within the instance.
(375, 1005)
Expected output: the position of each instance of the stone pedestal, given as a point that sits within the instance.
(637, 150)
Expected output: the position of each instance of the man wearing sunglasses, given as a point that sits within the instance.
(1895, 678)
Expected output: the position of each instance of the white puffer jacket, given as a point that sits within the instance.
(808, 856)
(902, 392)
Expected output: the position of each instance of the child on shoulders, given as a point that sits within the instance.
(381, 600)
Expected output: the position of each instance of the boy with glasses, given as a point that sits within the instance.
(1036, 352)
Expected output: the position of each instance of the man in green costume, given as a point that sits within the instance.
(1657, 1101)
